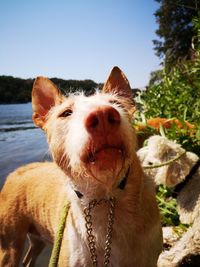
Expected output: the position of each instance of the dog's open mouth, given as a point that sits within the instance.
(92, 156)
(102, 153)
(105, 163)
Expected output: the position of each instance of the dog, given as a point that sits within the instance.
(95, 169)
(183, 175)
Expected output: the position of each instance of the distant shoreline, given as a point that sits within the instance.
(14, 103)
(18, 91)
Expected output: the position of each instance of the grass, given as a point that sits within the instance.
(168, 209)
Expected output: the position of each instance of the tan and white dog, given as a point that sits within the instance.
(92, 143)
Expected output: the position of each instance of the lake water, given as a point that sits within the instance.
(20, 141)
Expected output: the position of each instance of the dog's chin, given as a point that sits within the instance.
(105, 165)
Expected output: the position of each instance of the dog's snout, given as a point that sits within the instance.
(103, 118)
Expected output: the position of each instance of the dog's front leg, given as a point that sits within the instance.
(11, 250)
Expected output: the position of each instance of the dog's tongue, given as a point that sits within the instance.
(106, 165)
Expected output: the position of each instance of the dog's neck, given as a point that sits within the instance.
(120, 186)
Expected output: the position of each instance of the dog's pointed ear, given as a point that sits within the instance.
(45, 95)
(118, 83)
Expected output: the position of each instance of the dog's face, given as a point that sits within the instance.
(90, 138)
(159, 150)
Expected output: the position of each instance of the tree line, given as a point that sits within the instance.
(174, 89)
(17, 90)
(176, 31)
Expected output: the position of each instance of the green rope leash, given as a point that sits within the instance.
(59, 235)
(164, 163)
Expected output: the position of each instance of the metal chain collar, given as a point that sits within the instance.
(90, 235)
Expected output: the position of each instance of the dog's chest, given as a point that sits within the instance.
(78, 235)
(121, 241)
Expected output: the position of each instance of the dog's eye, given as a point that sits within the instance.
(66, 113)
(150, 163)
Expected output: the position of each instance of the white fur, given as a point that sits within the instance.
(159, 150)
(73, 136)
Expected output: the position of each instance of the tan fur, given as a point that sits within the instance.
(92, 148)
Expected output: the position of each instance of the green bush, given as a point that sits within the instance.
(174, 94)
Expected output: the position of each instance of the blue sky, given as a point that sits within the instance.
(78, 39)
